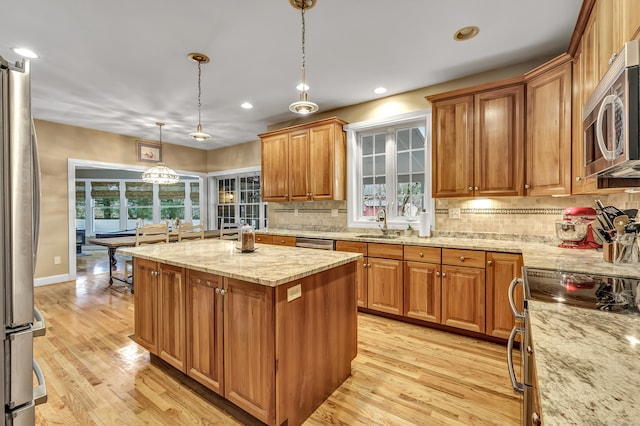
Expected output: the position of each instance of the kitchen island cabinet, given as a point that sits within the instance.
(273, 331)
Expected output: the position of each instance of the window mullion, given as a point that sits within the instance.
(391, 174)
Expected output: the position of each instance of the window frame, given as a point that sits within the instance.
(354, 168)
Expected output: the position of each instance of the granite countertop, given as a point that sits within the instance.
(269, 265)
(587, 364)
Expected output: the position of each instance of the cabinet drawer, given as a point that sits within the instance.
(264, 239)
(469, 258)
(386, 251)
(422, 254)
(352, 247)
(284, 241)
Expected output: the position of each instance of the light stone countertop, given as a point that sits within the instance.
(588, 365)
(269, 265)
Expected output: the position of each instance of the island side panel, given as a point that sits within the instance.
(316, 340)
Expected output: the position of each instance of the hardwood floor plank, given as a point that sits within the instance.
(404, 374)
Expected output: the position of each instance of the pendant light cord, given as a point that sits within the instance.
(304, 76)
(199, 90)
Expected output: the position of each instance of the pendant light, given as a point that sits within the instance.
(160, 174)
(200, 58)
(303, 106)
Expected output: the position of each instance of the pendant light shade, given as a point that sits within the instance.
(200, 59)
(160, 173)
(303, 106)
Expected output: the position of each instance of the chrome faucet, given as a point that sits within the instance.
(382, 216)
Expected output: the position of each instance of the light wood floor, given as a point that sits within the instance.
(403, 374)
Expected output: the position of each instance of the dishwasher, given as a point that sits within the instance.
(316, 243)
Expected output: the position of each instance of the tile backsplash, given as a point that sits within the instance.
(501, 216)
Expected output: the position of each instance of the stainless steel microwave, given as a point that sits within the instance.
(611, 117)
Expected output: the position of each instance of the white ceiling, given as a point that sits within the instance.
(121, 65)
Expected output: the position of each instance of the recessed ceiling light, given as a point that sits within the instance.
(302, 87)
(246, 105)
(466, 33)
(24, 52)
(380, 90)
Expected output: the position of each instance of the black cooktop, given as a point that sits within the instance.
(614, 294)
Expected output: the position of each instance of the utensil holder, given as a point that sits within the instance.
(610, 251)
(627, 249)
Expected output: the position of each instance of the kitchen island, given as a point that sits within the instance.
(273, 331)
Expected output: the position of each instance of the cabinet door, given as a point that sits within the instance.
(361, 268)
(549, 133)
(630, 14)
(384, 282)
(502, 268)
(204, 330)
(275, 168)
(499, 142)
(463, 298)
(145, 300)
(453, 147)
(610, 31)
(299, 165)
(249, 348)
(171, 316)
(321, 161)
(422, 291)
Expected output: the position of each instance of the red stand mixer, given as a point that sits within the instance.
(575, 229)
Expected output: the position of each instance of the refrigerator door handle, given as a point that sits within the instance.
(517, 386)
(36, 192)
(40, 391)
(39, 327)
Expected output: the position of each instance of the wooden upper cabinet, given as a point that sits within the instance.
(299, 165)
(275, 168)
(305, 162)
(478, 141)
(453, 147)
(630, 16)
(499, 142)
(548, 142)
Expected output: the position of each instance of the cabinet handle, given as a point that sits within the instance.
(421, 254)
(461, 258)
(475, 188)
(527, 186)
(490, 262)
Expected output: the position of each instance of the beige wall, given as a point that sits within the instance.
(56, 144)
(234, 157)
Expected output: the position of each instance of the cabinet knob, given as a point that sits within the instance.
(421, 254)
(535, 419)
(368, 265)
(470, 188)
(529, 349)
(217, 290)
(490, 262)
(461, 258)
(612, 58)
(437, 274)
(223, 291)
(578, 178)
(527, 186)
(444, 275)
(281, 241)
(475, 188)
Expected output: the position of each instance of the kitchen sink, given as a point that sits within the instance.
(378, 236)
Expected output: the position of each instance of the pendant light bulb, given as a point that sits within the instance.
(200, 59)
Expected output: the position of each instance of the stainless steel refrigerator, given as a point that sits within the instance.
(19, 219)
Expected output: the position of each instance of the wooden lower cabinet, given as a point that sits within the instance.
(279, 240)
(171, 315)
(264, 238)
(159, 310)
(422, 285)
(501, 269)
(204, 330)
(361, 269)
(249, 348)
(463, 298)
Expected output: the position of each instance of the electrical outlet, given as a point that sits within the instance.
(334, 212)
(57, 260)
(295, 212)
(454, 213)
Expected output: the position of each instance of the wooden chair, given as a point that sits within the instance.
(147, 234)
(189, 231)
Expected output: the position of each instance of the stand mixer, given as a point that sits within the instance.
(575, 229)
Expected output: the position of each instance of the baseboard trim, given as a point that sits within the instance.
(52, 279)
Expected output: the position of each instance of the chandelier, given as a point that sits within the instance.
(303, 106)
(160, 174)
(200, 58)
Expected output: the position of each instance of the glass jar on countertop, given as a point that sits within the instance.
(246, 238)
